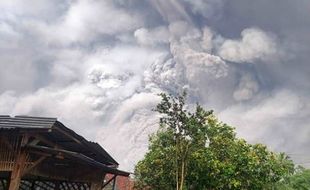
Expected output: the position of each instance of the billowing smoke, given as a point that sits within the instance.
(254, 45)
(99, 65)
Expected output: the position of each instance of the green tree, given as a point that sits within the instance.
(299, 181)
(193, 150)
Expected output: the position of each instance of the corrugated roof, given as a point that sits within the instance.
(26, 122)
(94, 150)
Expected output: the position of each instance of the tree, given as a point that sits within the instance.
(193, 150)
(299, 181)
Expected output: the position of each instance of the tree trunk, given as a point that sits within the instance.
(176, 164)
(182, 174)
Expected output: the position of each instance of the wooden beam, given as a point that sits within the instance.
(25, 140)
(39, 153)
(96, 185)
(68, 135)
(6, 142)
(34, 142)
(34, 164)
(114, 183)
(18, 168)
(42, 139)
(106, 183)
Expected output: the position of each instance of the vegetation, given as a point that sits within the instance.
(300, 181)
(193, 150)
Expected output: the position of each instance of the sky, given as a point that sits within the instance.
(98, 66)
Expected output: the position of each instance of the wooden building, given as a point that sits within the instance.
(42, 154)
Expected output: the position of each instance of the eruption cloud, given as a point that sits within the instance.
(99, 65)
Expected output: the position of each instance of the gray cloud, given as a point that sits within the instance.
(247, 88)
(254, 45)
(159, 35)
(98, 65)
(206, 8)
(272, 120)
(171, 10)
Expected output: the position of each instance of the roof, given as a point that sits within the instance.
(25, 122)
(78, 157)
(54, 131)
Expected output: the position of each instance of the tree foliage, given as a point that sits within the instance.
(299, 181)
(193, 150)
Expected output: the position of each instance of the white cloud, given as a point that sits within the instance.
(131, 126)
(98, 65)
(39, 9)
(206, 8)
(92, 84)
(159, 35)
(9, 36)
(165, 74)
(171, 10)
(282, 104)
(87, 18)
(85, 21)
(180, 28)
(198, 61)
(207, 42)
(7, 102)
(254, 44)
(265, 115)
(12, 77)
(247, 88)
(279, 120)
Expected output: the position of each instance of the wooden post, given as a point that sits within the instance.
(97, 178)
(96, 182)
(57, 185)
(18, 168)
(108, 182)
(96, 185)
(33, 183)
(114, 183)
